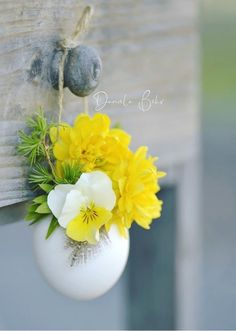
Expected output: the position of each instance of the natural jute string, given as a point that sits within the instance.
(67, 44)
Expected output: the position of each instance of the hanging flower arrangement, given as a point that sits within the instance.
(87, 178)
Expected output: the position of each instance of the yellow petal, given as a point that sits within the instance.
(53, 134)
(122, 136)
(61, 151)
(101, 123)
(81, 230)
(63, 131)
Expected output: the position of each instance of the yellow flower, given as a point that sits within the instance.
(61, 139)
(83, 208)
(137, 185)
(95, 146)
(90, 142)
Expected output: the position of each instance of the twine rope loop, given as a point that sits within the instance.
(69, 43)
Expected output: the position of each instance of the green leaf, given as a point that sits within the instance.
(43, 209)
(37, 220)
(33, 216)
(32, 207)
(52, 227)
(46, 187)
(30, 216)
(40, 199)
(71, 173)
(40, 175)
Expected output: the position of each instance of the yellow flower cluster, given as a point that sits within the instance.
(95, 146)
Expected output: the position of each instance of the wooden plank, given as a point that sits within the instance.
(144, 45)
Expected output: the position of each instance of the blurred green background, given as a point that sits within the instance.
(218, 94)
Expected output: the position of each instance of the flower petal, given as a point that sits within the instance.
(97, 186)
(79, 230)
(123, 137)
(56, 198)
(71, 209)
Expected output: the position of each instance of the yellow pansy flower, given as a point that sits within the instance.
(86, 224)
(83, 208)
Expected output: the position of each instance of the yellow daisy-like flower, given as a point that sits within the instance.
(137, 185)
(89, 142)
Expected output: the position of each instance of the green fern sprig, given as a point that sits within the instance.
(40, 174)
(35, 145)
(71, 173)
(31, 147)
(38, 124)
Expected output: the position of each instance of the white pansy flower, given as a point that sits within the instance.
(84, 207)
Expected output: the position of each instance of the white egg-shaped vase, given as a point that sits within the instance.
(81, 274)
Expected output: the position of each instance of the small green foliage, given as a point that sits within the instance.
(38, 124)
(40, 199)
(71, 173)
(46, 187)
(36, 220)
(33, 143)
(37, 209)
(31, 215)
(36, 146)
(52, 227)
(30, 147)
(40, 174)
(43, 209)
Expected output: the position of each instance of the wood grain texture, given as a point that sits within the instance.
(143, 44)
